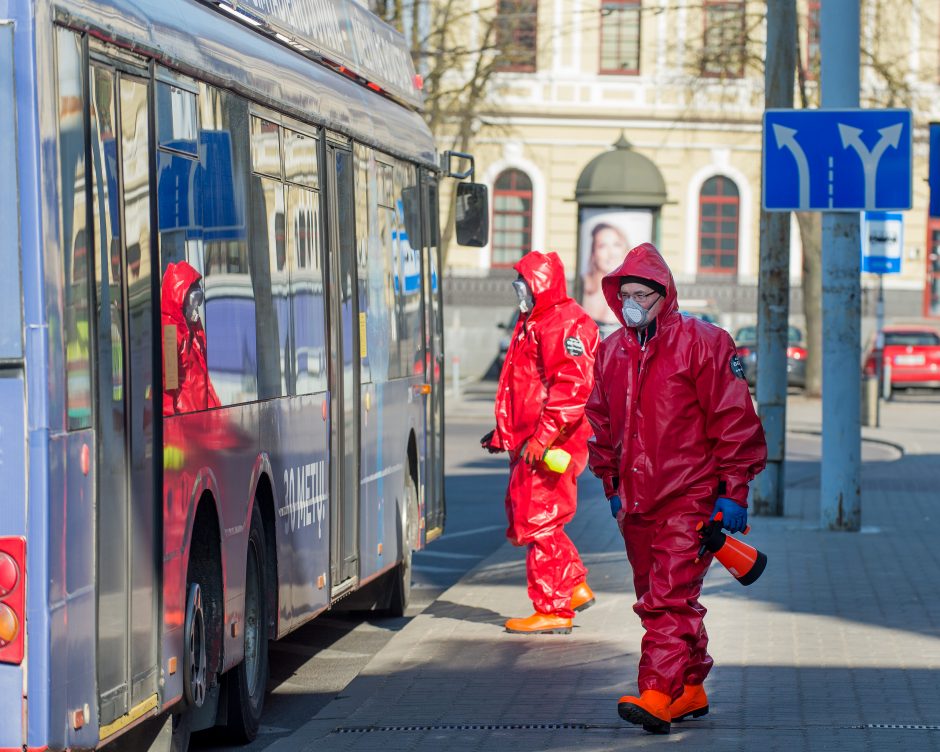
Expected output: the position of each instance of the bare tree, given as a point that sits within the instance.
(458, 46)
(734, 50)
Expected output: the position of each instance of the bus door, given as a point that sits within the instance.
(344, 366)
(434, 360)
(127, 525)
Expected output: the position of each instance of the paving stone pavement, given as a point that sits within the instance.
(836, 647)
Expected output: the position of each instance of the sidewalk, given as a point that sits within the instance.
(836, 647)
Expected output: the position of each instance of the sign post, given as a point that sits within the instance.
(839, 160)
(882, 244)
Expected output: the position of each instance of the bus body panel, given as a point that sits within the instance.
(13, 522)
(71, 586)
(297, 440)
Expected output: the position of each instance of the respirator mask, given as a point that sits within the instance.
(526, 301)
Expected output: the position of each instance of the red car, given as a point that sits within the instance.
(914, 354)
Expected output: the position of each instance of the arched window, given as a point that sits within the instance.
(719, 208)
(512, 217)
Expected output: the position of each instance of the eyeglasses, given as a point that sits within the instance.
(639, 297)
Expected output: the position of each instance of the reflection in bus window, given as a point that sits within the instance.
(176, 118)
(306, 285)
(265, 147)
(73, 233)
(230, 306)
(189, 388)
(275, 377)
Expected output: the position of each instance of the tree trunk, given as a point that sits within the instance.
(811, 236)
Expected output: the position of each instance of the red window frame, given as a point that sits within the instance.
(717, 224)
(512, 30)
(932, 278)
(723, 42)
(624, 16)
(813, 49)
(511, 184)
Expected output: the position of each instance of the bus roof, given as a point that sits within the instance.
(340, 33)
(196, 40)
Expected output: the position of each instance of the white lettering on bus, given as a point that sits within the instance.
(305, 496)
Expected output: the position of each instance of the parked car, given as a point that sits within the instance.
(746, 342)
(914, 355)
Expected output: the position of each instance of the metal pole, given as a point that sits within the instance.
(879, 345)
(773, 286)
(840, 487)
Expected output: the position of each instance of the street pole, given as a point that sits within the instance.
(773, 285)
(840, 487)
(879, 346)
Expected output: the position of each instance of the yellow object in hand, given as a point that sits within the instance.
(556, 460)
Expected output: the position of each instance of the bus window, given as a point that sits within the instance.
(230, 301)
(270, 259)
(73, 230)
(300, 159)
(265, 147)
(408, 266)
(306, 290)
(176, 119)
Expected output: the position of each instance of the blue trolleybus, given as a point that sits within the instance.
(151, 545)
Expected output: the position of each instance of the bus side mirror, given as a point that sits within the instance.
(473, 215)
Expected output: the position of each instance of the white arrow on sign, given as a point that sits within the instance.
(852, 139)
(786, 139)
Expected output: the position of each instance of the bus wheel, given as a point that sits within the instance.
(248, 680)
(401, 586)
(195, 666)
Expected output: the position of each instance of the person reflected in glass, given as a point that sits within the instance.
(189, 388)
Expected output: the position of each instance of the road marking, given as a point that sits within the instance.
(475, 531)
(331, 653)
(426, 568)
(448, 554)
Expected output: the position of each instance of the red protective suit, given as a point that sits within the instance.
(545, 381)
(674, 428)
(195, 390)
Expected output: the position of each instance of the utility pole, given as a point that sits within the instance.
(840, 488)
(773, 287)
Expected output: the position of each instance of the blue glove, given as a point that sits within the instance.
(733, 515)
(614, 506)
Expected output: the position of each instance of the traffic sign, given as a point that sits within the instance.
(882, 242)
(837, 160)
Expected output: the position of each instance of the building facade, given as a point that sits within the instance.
(645, 115)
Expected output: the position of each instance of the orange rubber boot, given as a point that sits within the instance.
(693, 703)
(582, 597)
(539, 624)
(650, 710)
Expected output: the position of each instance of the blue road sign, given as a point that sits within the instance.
(882, 242)
(933, 177)
(837, 160)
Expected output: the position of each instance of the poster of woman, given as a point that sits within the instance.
(606, 236)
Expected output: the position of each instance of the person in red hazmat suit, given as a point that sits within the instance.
(676, 440)
(544, 383)
(189, 389)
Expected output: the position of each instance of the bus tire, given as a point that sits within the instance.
(246, 683)
(401, 586)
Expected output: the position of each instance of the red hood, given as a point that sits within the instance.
(177, 280)
(643, 261)
(545, 275)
